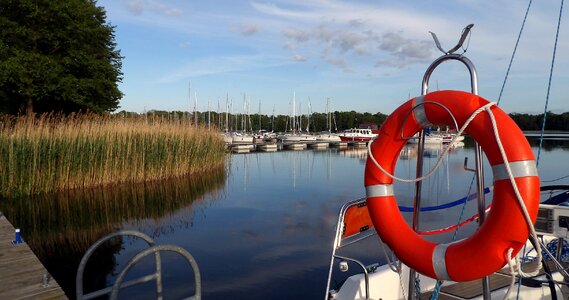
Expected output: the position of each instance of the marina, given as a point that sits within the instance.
(273, 211)
(122, 174)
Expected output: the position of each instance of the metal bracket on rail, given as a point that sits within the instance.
(466, 168)
(463, 36)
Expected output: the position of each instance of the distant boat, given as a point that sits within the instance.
(227, 138)
(241, 138)
(328, 137)
(263, 136)
(447, 137)
(429, 139)
(357, 135)
(296, 138)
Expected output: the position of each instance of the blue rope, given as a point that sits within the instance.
(446, 205)
(549, 84)
(513, 53)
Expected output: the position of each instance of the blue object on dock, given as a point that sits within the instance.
(17, 238)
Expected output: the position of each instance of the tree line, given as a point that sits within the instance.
(315, 122)
(535, 122)
(335, 121)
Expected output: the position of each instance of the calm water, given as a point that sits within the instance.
(260, 230)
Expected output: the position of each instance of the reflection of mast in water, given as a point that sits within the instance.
(448, 174)
(310, 153)
(293, 161)
(245, 172)
(432, 151)
(329, 173)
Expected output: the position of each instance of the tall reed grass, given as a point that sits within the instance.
(51, 153)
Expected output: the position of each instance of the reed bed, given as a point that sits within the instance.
(52, 153)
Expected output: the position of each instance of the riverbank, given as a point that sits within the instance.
(52, 153)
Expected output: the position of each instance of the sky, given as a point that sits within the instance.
(360, 55)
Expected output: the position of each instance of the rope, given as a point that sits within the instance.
(393, 265)
(514, 53)
(464, 207)
(549, 83)
(454, 227)
(514, 263)
(417, 286)
(556, 179)
(445, 151)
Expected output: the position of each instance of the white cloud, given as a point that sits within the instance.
(174, 12)
(298, 57)
(249, 29)
(138, 7)
(336, 61)
(296, 35)
(220, 65)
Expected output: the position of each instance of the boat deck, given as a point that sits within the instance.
(22, 276)
(472, 289)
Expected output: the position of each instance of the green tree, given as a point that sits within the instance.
(57, 56)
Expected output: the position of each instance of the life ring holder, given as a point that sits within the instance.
(434, 263)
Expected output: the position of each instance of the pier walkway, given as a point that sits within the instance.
(300, 145)
(22, 276)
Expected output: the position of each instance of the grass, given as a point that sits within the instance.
(52, 153)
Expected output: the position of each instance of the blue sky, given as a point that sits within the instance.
(367, 56)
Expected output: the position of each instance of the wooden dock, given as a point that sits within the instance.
(22, 276)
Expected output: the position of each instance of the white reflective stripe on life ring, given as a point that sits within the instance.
(522, 168)
(379, 190)
(419, 112)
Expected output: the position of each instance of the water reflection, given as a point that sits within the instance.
(359, 153)
(60, 227)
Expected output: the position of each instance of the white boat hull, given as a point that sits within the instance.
(388, 285)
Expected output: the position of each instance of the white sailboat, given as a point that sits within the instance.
(328, 136)
(295, 135)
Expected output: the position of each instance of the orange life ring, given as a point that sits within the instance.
(484, 252)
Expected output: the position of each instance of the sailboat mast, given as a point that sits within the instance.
(188, 116)
(208, 116)
(293, 111)
(196, 108)
(308, 116)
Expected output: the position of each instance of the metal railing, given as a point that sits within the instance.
(157, 275)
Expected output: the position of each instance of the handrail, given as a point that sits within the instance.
(91, 250)
(157, 275)
(156, 250)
